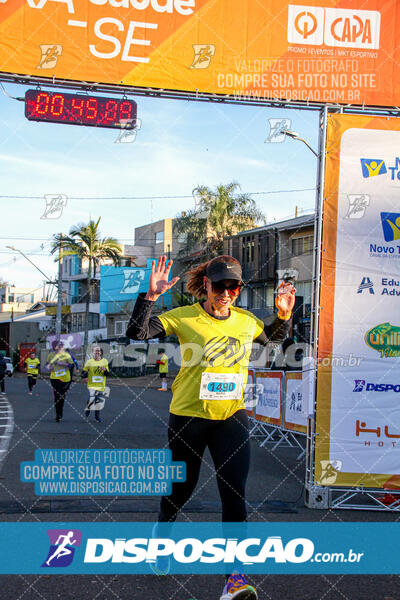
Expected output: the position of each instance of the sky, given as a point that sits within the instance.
(180, 145)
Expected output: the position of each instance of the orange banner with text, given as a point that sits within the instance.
(326, 51)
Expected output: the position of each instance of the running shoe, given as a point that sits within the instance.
(30, 393)
(238, 588)
(98, 419)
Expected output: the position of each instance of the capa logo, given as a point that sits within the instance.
(340, 27)
(191, 550)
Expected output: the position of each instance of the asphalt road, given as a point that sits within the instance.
(136, 417)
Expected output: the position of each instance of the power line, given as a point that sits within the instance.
(154, 197)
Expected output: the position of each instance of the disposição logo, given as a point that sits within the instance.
(63, 543)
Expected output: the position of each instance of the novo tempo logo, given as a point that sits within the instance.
(338, 27)
(391, 226)
(371, 167)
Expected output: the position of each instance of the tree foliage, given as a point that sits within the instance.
(85, 241)
(219, 213)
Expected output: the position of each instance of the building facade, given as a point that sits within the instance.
(268, 252)
(18, 299)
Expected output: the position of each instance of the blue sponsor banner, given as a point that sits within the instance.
(196, 548)
(119, 285)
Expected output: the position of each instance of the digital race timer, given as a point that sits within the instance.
(80, 109)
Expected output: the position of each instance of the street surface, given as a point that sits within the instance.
(136, 417)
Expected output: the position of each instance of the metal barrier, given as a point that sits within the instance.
(6, 427)
(275, 405)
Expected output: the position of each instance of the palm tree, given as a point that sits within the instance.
(219, 213)
(84, 240)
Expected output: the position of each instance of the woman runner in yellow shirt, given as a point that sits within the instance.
(207, 407)
(32, 370)
(58, 363)
(94, 372)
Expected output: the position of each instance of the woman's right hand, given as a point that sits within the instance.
(158, 283)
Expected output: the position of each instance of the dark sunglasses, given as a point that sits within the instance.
(218, 287)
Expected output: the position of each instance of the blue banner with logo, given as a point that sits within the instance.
(195, 548)
(120, 285)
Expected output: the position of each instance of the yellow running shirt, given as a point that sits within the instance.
(58, 372)
(214, 360)
(163, 368)
(96, 377)
(32, 366)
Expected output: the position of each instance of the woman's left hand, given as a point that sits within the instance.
(285, 299)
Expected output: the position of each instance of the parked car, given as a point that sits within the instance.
(10, 368)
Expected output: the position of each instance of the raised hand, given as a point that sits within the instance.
(285, 299)
(158, 283)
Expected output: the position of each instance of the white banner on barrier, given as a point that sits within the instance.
(269, 404)
(294, 402)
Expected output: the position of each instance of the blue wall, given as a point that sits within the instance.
(119, 285)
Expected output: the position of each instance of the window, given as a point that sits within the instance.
(270, 297)
(258, 297)
(248, 249)
(120, 327)
(302, 245)
(182, 237)
(11, 297)
(94, 319)
(159, 237)
(304, 289)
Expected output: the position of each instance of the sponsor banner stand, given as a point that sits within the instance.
(353, 441)
(294, 419)
(271, 404)
(268, 404)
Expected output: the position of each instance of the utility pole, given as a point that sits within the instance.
(59, 290)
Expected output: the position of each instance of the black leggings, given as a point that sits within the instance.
(31, 381)
(229, 445)
(59, 390)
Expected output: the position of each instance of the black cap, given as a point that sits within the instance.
(217, 271)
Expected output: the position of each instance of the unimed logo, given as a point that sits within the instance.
(339, 27)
